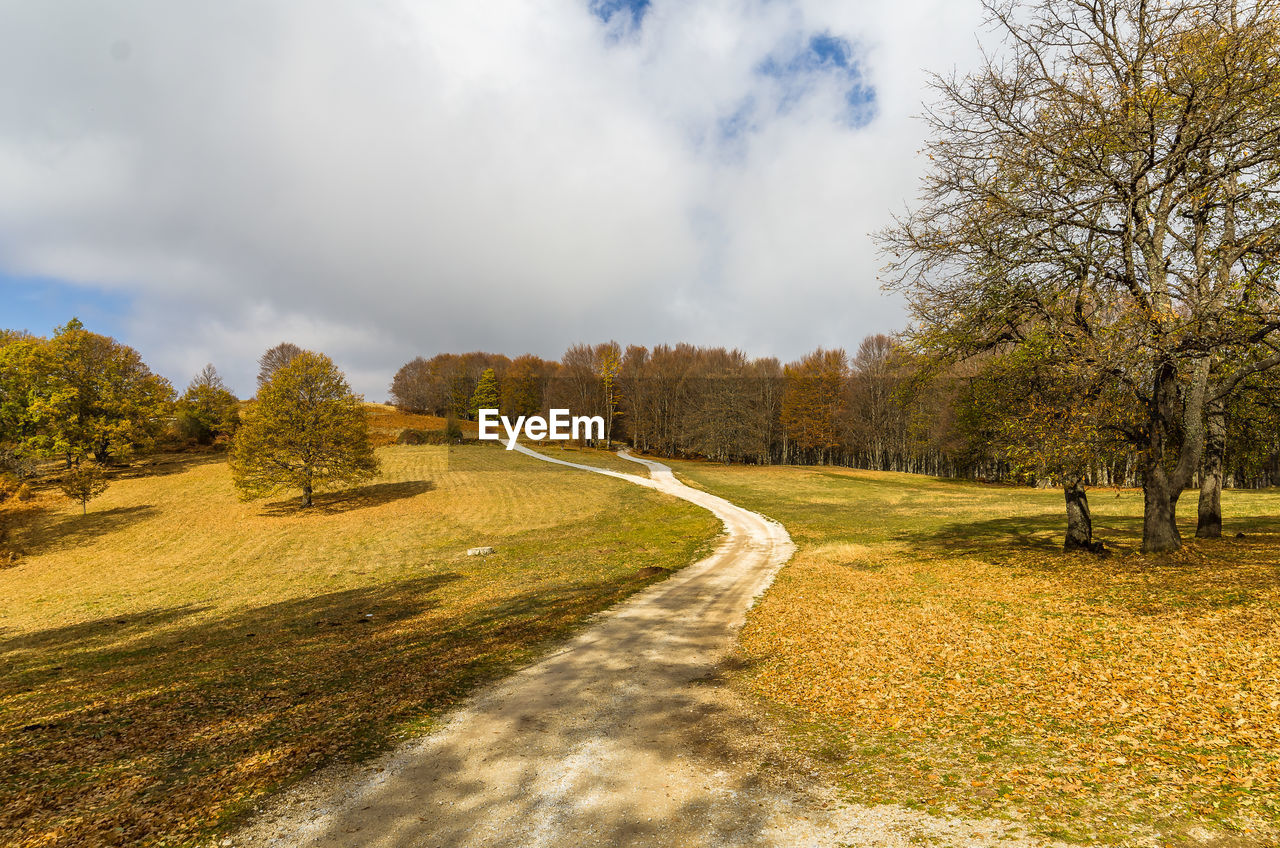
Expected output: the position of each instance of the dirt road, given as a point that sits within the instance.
(620, 738)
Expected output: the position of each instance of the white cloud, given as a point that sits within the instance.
(380, 180)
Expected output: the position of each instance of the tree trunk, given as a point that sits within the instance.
(1175, 426)
(1159, 513)
(1079, 522)
(306, 494)
(1209, 514)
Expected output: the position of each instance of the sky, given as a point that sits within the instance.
(383, 179)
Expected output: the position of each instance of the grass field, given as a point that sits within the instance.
(175, 654)
(931, 643)
(595, 457)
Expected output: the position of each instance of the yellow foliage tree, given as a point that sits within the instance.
(306, 431)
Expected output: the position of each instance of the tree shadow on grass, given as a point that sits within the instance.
(992, 536)
(169, 463)
(193, 719)
(1206, 575)
(334, 503)
(88, 634)
(45, 530)
(1045, 532)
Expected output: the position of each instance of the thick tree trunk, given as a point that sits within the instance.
(1159, 513)
(1175, 430)
(306, 494)
(1209, 514)
(1079, 522)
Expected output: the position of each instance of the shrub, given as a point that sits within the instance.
(409, 436)
(452, 429)
(8, 487)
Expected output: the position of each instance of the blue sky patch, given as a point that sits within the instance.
(827, 49)
(606, 9)
(741, 120)
(39, 304)
(822, 54)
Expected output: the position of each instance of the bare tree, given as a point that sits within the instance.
(274, 359)
(1111, 179)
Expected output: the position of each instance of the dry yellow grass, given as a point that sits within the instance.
(386, 423)
(176, 653)
(945, 654)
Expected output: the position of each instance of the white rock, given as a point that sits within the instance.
(485, 551)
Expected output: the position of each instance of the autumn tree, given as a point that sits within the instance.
(20, 375)
(765, 408)
(1241, 431)
(525, 384)
(608, 364)
(878, 421)
(207, 409)
(415, 387)
(729, 416)
(1111, 180)
(274, 359)
(577, 385)
(813, 402)
(587, 382)
(307, 431)
(660, 392)
(1055, 421)
(1251, 443)
(88, 394)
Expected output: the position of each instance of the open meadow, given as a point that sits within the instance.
(175, 654)
(931, 644)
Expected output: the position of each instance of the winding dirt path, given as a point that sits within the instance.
(623, 737)
(594, 745)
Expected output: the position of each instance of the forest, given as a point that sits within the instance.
(884, 408)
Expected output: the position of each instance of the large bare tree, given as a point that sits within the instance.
(1111, 176)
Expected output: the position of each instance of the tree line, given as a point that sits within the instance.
(87, 402)
(885, 408)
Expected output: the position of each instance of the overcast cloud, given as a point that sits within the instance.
(379, 180)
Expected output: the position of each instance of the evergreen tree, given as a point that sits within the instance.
(486, 395)
(306, 431)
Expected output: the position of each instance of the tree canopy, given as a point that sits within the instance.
(79, 394)
(306, 431)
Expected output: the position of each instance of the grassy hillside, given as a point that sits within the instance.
(939, 651)
(174, 654)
